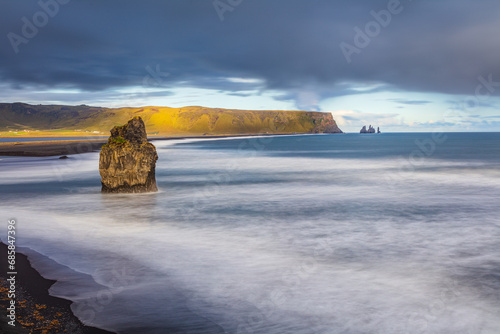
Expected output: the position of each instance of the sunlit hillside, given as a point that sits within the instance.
(38, 120)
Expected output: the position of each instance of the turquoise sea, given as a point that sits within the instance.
(348, 233)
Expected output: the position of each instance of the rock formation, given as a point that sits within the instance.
(371, 129)
(378, 129)
(127, 162)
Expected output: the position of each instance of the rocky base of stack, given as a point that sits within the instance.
(128, 170)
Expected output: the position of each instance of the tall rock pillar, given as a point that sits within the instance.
(127, 162)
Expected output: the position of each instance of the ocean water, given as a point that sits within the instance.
(390, 233)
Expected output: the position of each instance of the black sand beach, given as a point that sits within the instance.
(36, 310)
(77, 146)
(50, 148)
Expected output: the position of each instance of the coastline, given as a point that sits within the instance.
(64, 147)
(50, 147)
(36, 310)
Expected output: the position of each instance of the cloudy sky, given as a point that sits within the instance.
(409, 65)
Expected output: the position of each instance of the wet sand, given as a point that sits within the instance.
(36, 310)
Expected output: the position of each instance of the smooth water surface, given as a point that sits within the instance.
(390, 233)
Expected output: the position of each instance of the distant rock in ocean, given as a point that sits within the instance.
(127, 162)
(378, 129)
(371, 129)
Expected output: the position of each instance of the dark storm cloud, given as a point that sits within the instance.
(290, 45)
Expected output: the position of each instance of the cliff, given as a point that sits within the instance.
(325, 124)
(163, 121)
(127, 162)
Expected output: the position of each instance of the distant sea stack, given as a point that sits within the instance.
(127, 162)
(370, 129)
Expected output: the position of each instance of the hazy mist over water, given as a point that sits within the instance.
(390, 233)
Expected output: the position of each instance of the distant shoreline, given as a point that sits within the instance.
(48, 148)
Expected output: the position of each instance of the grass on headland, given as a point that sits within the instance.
(24, 120)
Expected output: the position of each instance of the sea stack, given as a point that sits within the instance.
(127, 162)
(371, 129)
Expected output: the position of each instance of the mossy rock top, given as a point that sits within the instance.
(134, 132)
